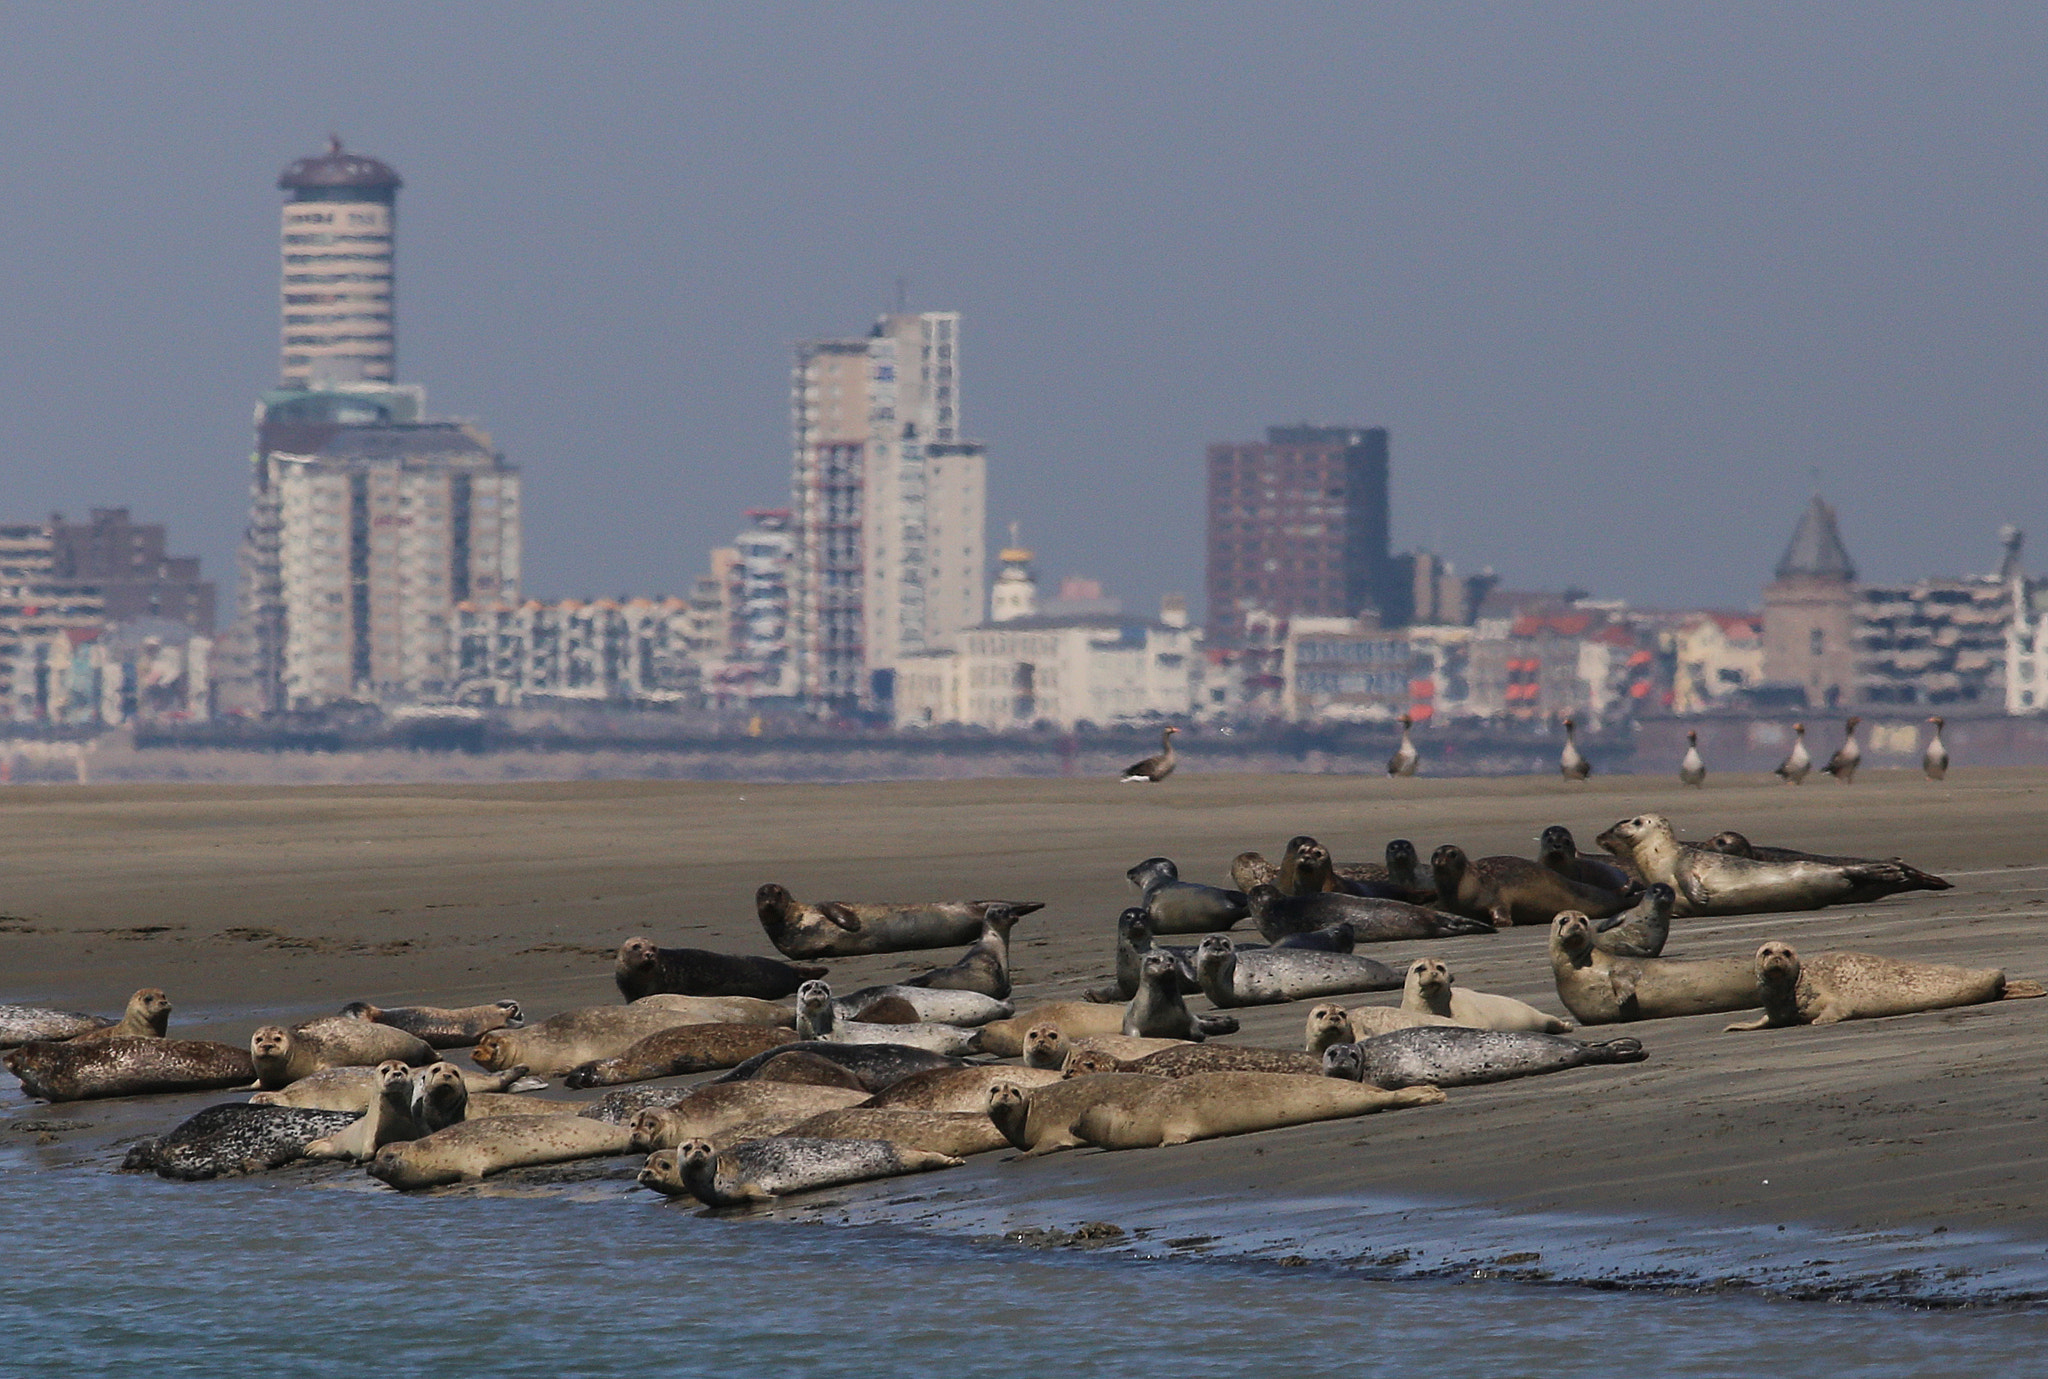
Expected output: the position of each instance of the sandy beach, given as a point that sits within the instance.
(252, 903)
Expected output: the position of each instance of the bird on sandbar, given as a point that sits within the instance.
(1842, 765)
(1572, 762)
(1155, 768)
(1692, 769)
(1797, 762)
(1934, 761)
(1405, 758)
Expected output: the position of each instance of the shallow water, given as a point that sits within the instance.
(116, 1273)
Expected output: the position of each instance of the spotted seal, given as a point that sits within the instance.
(1005, 1038)
(148, 1016)
(71, 1071)
(837, 929)
(1046, 1047)
(645, 968)
(1174, 906)
(1713, 883)
(438, 1097)
(679, 1051)
(707, 1111)
(475, 1149)
(762, 1170)
(984, 969)
(1185, 1060)
(1040, 1120)
(927, 1003)
(41, 1025)
(284, 1056)
(441, 1027)
(1602, 989)
(1157, 1011)
(1306, 869)
(1250, 869)
(1466, 1057)
(234, 1138)
(575, 1037)
(1165, 1111)
(1231, 977)
(1836, 986)
(1331, 1023)
(1641, 932)
(353, 1089)
(815, 1020)
(1515, 890)
(1371, 920)
(1429, 990)
(388, 1118)
(960, 1134)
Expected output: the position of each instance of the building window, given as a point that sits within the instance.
(1816, 641)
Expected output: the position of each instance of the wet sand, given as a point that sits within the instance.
(250, 903)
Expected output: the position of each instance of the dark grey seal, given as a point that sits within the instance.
(877, 1066)
(441, 1027)
(1641, 932)
(1403, 872)
(1440, 1056)
(1157, 1011)
(1559, 851)
(235, 1137)
(1371, 921)
(984, 968)
(760, 1170)
(1174, 906)
(646, 969)
(1232, 976)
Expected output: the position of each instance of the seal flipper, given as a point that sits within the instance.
(2020, 989)
(841, 915)
(1213, 1025)
(1107, 995)
(1616, 1051)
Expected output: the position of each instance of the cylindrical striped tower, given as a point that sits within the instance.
(339, 219)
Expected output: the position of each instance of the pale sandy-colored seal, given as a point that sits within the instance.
(443, 1027)
(762, 1170)
(388, 1119)
(984, 968)
(928, 1003)
(1234, 977)
(837, 929)
(70, 1071)
(39, 1024)
(1641, 932)
(1205, 1106)
(284, 1056)
(679, 1051)
(1372, 920)
(232, 1138)
(1046, 1047)
(1040, 1120)
(439, 1097)
(1158, 1012)
(873, 1066)
(1836, 986)
(1430, 990)
(957, 1089)
(1515, 890)
(1603, 989)
(353, 1089)
(1174, 906)
(1467, 1057)
(576, 1037)
(476, 1148)
(1331, 1023)
(644, 968)
(960, 1134)
(1005, 1038)
(148, 1016)
(815, 1020)
(1712, 883)
(1559, 851)
(709, 1110)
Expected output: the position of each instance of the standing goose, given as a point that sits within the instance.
(1571, 761)
(1692, 769)
(1156, 768)
(1934, 761)
(1796, 763)
(1405, 758)
(1842, 765)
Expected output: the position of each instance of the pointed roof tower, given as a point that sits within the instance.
(1816, 551)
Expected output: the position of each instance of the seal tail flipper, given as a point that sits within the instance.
(1106, 995)
(2021, 989)
(1616, 1051)
(1448, 925)
(1612, 922)
(1213, 1025)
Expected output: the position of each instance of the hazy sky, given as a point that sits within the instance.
(1617, 278)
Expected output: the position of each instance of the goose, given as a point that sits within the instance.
(1571, 761)
(1934, 761)
(1692, 769)
(1405, 758)
(1796, 763)
(1842, 765)
(1155, 768)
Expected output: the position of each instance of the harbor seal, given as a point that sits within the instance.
(575, 1037)
(1712, 883)
(1249, 869)
(956, 1089)
(874, 1066)
(1040, 1120)
(1641, 932)
(708, 1111)
(234, 1137)
(1174, 906)
(1402, 871)
(1515, 890)
(1734, 844)
(959, 1134)
(441, 1027)
(1559, 851)
(1429, 990)
(837, 929)
(762, 1170)
(1046, 1047)
(943, 1007)
(1306, 868)
(644, 968)
(1202, 1106)
(1133, 942)
(1157, 1011)
(1005, 1038)
(353, 1089)
(70, 1071)
(284, 1056)
(1372, 920)
(679, 1051)
(1185, 1060)
(984, 969)
(40, 1025)
(1467, 1057)
(815, 1020)
(1836, 986)
(1603, 989)
(1331, 1023)
(475, 1149)
(148, 1016)
(388, 1119)
(1232, 977)
(438, 1096)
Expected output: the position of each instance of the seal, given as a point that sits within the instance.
(1603, 989)
(41, 1025)
(475, 1149)
(388, 1119)
(1133, 942)
(959, 1134)
(148, 1017)
(1371, 920)
(1040, 1120)
(1559, 851)
(644, 968)
(1641, 932)
(1338, 938)
(1332, 1024)
(815, 1021)
(874, 1066)
(232, 1138)
(71, 1071)
(1837, 986)
(1232, 977)
(1174, 906)
(1306, 868)
(837, 929)
(353, 1089)
(1203, 1106)
(1734, 844)
(709, 1111)
(944, 1007)
(1154, 768)
(676, 1052)
(762, 1170)
(956, 1089)
(1046, 1047)
(1515, 890)
(1712, 883)
(504, 1104)
(984, 969)
(1429, 991)
(575, 1037)
(1467, 1057)
(1185, 1060)
(438, 1097)
(1249, 869)
(284, 1056)
(1157, 1011)
(1403, 873)
(1005, 1038)
(441, 1027)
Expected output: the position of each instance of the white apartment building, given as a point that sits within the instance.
(338, 282)
(644, 651)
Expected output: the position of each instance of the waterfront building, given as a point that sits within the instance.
(338, 285)
(1810, 613)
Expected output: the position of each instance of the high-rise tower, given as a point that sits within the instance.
(339, 222)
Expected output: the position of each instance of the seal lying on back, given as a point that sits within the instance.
(1332, 1024)
(1371, 920)
(475, 1148)
(1005, 1038)
(762, 1170)
(234, 1137)
(1559, 851)
(708, 1111)
(1209, 1105)
(1602, 989)
(1231, 977)
(1515, 890)
(1836, 986)
(72, 1071)
(955, 1133)
(956, 1089)
(442, 1027)
(148, 1017)
(284, 1056)
(875, 1066)
(1428, 990)
(1713, 883)
(1467, 1057)
(815, 1020)
(644, 968)
(679, 1051)
(38, 1024)
(353, 1089)
(576, 1037)
(1157, 1011)
(389, 1118)
(1641, 932)
(836, 929)
(1174, 906)
(984, 968)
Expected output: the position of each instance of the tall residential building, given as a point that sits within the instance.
(1299, 526)
(889, 506)
(1810, 613)
(756, 664)
(339, 221)
(128, 564)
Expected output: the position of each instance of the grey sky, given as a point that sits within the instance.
(1616, 277)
